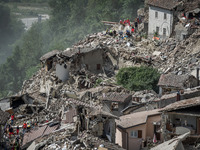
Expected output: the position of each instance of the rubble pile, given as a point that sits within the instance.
(178, 57)
(73, 100)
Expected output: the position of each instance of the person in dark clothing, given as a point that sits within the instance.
(11, 131)
(114, 33)
(128, 33)
(136, 25)
(17, 131)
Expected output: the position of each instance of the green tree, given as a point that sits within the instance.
(138, 78)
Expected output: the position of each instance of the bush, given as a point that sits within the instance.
(138, 78)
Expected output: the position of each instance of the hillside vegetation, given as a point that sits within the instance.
(70, 21)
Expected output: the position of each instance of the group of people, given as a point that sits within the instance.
(13, 133)
(9, 129)
(126, 28)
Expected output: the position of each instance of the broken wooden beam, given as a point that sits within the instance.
(108, 22)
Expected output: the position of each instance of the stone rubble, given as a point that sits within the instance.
(52, 97)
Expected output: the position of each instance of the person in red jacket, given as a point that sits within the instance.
(132, 29)
(128, 21)
(24, 127)
(12, 119)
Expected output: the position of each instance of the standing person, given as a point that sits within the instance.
(132, 29)
(128, 21)
(17, 130)
(10, 132)
(24, 127)
(28, 125)
(12, 119)
(121, 22)
(136, 26)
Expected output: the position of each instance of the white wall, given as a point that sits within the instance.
(4, 104)
(61, 72)
(160, 21)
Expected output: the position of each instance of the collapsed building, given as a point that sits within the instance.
(76, 104)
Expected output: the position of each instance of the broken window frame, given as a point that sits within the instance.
(114, 106)
(164, 32)
(157, 30)
(165, 16)
(156, 14)
(98, 66)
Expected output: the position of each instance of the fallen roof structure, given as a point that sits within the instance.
(49, 55)
(38, 132)
(182, 104)
(116, 97)
(173, 144)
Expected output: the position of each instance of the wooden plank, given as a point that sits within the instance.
(108, 22)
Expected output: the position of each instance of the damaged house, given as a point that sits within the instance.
(90, 118)
(189, 20)
(47, 59)
(4, 116)
(170, 83)
(183, 116)
(173, 17)
(115, 102)
(11, 104)
(77, 65)
(161, 17)
(135, 130)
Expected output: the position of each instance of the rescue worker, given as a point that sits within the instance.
(17, 131)
(28, 125)
(24, 127)
(132, 29)
(12, 119)
(11, 132)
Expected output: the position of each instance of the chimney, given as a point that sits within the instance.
(197, 76)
